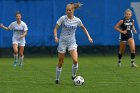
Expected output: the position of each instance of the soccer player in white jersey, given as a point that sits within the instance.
(67, 40)
(19, 29)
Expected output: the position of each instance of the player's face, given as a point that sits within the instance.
(128, 15)
(18, 17)
(69, 11)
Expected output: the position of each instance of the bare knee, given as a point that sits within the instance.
(122, 50)
(75, 61)
(15, 52)
(133, 50)
(61, 60)
(122, 47)
(60, 63)
(21, 54)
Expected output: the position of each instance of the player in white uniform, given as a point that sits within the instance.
(67, 40)
(19, 29)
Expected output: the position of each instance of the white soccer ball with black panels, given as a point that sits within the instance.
(78, 81)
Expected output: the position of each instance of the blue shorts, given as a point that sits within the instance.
(124, 38)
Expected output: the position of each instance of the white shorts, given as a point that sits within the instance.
(19, 42)
(63, 46)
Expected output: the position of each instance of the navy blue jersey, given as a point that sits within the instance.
(127, 25)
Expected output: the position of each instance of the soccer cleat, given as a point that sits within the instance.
(21, 64)
(134, 65)
(15, 64)
(56, 81)
(73, 77)
(119, 64)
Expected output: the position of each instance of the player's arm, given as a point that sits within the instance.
(87, 34)
(133, 28)
(25, 28)
(24, 34)
(118, 29)
(4, 27)
(55, 33)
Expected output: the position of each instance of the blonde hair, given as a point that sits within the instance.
(127, 10)
(75, 5)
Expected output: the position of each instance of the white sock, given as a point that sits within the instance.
(16, 57)
(132, 61)
(21, 60)
(58, 72)
(74, 69)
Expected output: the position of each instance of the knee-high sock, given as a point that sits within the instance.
(16, 57)
(58, 73)
(74, 69)
(21, 60)
(132, 57)
(119, 57)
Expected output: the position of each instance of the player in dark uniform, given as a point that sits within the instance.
(125, 27)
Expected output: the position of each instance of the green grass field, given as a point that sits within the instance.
(101, 75)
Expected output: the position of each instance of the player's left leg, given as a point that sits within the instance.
(132, 49)
(21, 55)
(61, 54)
(59, 66)
(74, 56)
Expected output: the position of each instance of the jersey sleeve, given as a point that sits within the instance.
(25, 27)
(80, 23)
(60, 20)
(11, 27)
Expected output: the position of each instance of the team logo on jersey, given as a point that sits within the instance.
(69, 27)
(127, 24)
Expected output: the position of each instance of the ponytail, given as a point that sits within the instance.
(76, 5)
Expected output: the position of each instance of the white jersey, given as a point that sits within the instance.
(67, 36)
(18, 30)
(68, 27)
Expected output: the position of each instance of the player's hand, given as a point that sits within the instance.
(56, 39)
(90, 40)
(1, 25)
(135, 31)
(21, 36)
(124, 32)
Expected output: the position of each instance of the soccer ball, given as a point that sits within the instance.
(78, 81)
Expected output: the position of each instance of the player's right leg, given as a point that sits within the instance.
(121, 52)
(59, 66)
(61, 55)
(15, 48)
